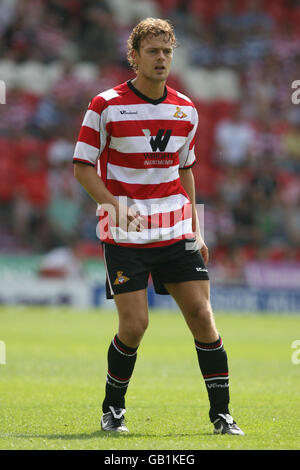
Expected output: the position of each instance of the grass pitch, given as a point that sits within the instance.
(52, 384)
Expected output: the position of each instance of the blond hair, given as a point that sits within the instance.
(152, 27)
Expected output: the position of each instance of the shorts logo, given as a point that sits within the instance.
(120, 278)
(201, 269)
(179, 114)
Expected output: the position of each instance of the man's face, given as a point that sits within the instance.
(154, 57)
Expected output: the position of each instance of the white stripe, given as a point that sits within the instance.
(147, 111)
(109, 94)
(107, 275)
(207, 349)
(181, 95)
(91, 119)
(150, 206)
(141, 176)
(216, 378)
(187, 160)
(86, 152)
(141, 144)
(166, 204)
(113, 384)
(158, 234)
(121, 352)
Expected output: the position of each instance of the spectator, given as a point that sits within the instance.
(234, 140)
(293, 222)
(228, 22)
(291, 144)
(31, 197)
(232, 185)
(264, 177)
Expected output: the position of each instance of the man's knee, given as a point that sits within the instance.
(202, 312)
(134, 327)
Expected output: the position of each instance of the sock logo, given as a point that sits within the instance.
(120, 279)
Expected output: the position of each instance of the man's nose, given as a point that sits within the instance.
(161, 54)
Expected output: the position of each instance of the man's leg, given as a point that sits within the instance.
(133, 320)
(193, 298)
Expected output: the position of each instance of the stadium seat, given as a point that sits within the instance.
(8, 72)
(31, 77)
(199, 83)
(130, 11)
(85, 71)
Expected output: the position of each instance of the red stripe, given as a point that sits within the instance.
(98, 104)
(153, 244)
(127, 97)
(142, 160)
(103, 162)
(145, 191)
(122, 349)
(173, 98)
(192, 143)
(153, 221)
(118, 378)
(167, 219)
(89, 136)
(205, 346)
(134, 128)
(225, 374)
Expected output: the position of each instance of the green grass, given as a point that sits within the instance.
(52, 384)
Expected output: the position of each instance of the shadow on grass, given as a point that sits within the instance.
(107, 435)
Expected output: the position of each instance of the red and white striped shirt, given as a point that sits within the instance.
(138, 146)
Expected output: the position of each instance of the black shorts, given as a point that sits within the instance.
(128, 269)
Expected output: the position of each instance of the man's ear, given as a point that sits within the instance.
(135, 56)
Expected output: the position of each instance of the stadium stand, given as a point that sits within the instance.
(237, 60)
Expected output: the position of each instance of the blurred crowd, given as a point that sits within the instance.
(248, 149)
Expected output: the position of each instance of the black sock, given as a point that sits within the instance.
(213, 364)
(121, 360)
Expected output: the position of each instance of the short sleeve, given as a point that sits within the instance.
(187, 156)
(91, 140)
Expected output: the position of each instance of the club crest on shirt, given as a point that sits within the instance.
(179, 114)
(120, 278)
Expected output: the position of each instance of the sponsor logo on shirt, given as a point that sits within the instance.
(160, 141)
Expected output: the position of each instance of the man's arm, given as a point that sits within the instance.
(93, 184)
(188, 183)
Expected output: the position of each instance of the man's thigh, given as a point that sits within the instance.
(193, 299)
(190, 295)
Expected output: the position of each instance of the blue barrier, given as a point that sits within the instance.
(224, 298)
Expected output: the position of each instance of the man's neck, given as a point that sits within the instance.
(153, 90)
